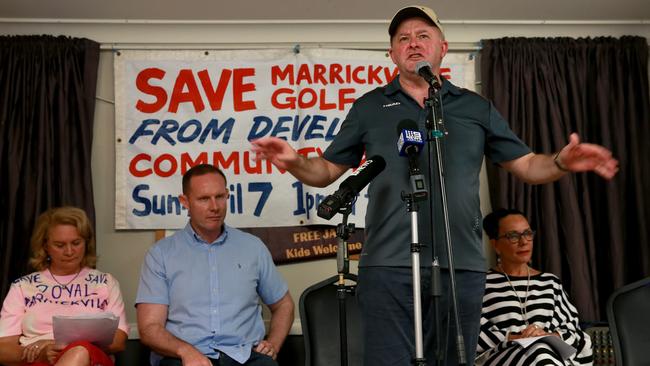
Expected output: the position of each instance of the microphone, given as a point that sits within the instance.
(423, 69)
(350, 187)
(410, 138)
(410, 144)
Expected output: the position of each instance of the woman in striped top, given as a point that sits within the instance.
(521, 302)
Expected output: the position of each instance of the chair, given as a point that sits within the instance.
(628, 315)
(135, 354)
(601, 343)
(319, 316)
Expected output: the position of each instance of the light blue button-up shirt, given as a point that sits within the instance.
(212, 289)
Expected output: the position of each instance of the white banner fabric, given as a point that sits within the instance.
(175, 109)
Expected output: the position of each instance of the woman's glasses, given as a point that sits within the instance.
(514, 237)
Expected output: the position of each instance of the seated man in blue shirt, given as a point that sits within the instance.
(198, 297)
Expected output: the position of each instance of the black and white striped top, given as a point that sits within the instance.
(547, 306)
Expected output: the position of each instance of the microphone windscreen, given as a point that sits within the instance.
(366, 172)
(406, 124)
(420, 65)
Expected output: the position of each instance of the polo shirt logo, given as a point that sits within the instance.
(391, 104)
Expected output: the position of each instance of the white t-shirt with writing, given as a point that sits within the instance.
(33, 300)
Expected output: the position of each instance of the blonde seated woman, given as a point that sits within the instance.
(65, 283)
(522, 302)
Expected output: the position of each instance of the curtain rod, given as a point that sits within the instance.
(319, 21)
(374, 46)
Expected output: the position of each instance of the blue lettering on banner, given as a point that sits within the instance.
(193, 133)
(172, 132)
(265, 189)
(160, 205)
(315, 126)
(169, 204)
(307, 127)
(236, 199)
(329, 136)
(305, 201)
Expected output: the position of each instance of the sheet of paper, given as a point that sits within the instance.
(98, 328)
(564, 350)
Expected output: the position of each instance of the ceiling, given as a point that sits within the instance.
(371, 10)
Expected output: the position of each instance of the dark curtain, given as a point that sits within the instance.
(594, 234)
(47, 103)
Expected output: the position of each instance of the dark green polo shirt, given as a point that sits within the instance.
(475, 129)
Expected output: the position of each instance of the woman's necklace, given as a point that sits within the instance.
(522, 305)
(64, 284)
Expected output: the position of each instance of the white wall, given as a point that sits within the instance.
(122, 252)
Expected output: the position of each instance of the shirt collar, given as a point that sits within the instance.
(447, 87)
(197, 240)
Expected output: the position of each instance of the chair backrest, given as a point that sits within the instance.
(319, 315)
(601, 344)
(628, 314)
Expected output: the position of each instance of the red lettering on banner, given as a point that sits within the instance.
(305, 151)
(335, 73)
(355, 75)
(390, 75)
(304, 102)
(219, 161)
(239, 88)
(304, 75)
(284, 98)
(348, 71)
(167, 165)
(185, 79)
(323, 103)
(257, 169)
(282, 74)
(186, 90)
(373, 74)
(142, 83)
(307, 98)
(290, 101)
(133, 166)
(269, 167)
(319, 72)
(215, 96)
(158, 166)
(445, 72)
(342, 99)
(187, 162)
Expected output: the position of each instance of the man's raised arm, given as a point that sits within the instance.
(576, 156)
(316, 172)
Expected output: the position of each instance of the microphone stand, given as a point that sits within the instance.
(412, 207)
(343, 231)
(436, 131)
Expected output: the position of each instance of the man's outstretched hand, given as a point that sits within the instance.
(583, 157)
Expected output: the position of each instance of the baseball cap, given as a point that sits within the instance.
(413, 11)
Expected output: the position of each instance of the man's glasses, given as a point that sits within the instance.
(514, 237)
